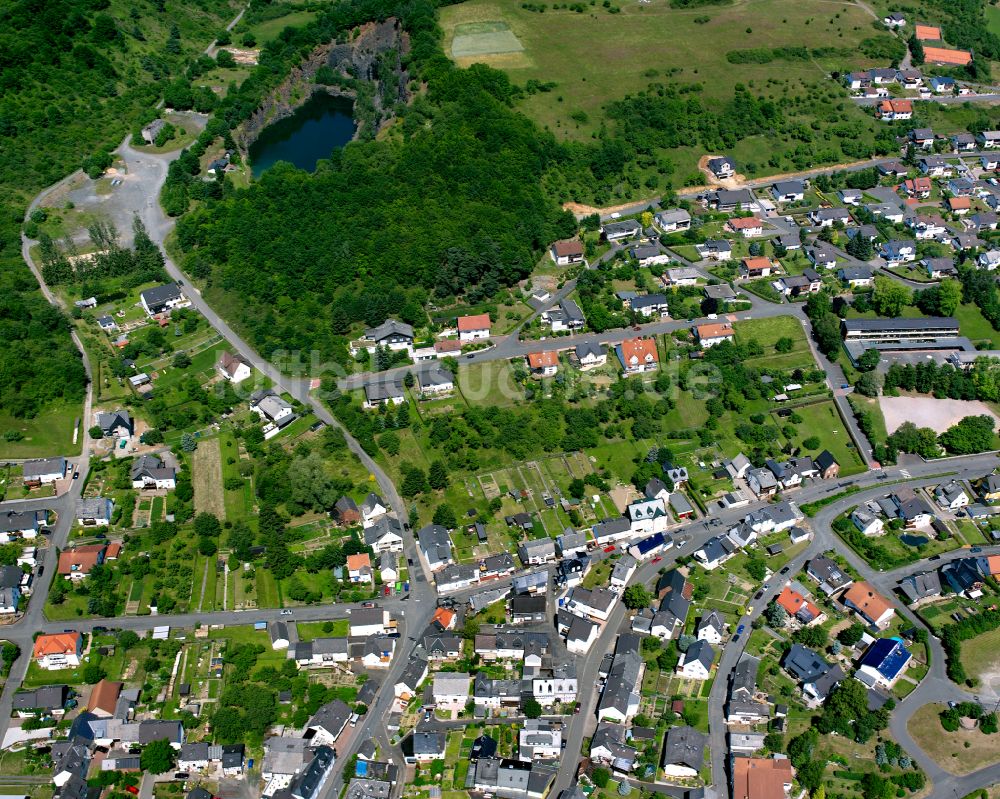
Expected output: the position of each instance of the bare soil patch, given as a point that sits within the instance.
(937, 414)
(207, 479)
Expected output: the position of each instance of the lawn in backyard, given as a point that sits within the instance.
(767, 333)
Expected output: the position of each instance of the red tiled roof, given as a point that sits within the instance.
(539, 360)
(714, 330)
(82, 558)
(56, 644)
(478, 322)
(641, 349)
(745, 223)
(568, 247)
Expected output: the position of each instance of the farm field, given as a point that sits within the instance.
(206, 468)
(592, 57)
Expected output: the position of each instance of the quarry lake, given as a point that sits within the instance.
(319, 126)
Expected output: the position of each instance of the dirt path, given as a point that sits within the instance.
(207, 473)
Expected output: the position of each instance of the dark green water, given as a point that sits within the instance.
(316, 128)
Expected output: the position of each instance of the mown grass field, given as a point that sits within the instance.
(49, 433)
(596, 56)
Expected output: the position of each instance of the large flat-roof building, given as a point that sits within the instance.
(899, 329)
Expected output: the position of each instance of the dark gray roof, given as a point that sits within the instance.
(685, 746)
(929, 323)
(804, 664)
(48, 697)
(390, 327)
(332, 717)
(157, 295)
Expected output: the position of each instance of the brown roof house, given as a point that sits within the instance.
(103, 698)
(76, 563)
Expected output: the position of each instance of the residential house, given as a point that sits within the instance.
(927, 227)
(450, 690)
(871, 606)
(580, 634)
(608, 747)
(745, 226)
(94, 511)
(681, 276)
(672, 220)
(543, 364)
(638, 355)
(789, 191)
(625, 230)
(43, 471)
(941, 84)
(923, 138)
(622, 572)
(649, 255)
(729, 200)
(988, 139)
(867, 523)
(919, 188)
(921, 587)
(761, 778)
(433, 379)
(76, 563)
(58, 650)
(822, 255)
(384, 391)
(827, 217)
(385, 534)
(883, 663)
(116, 424)
(233, 368)
(722, 167)
(938, 268)
(538, 739)
(590, 356)
(649, 305)
(474, 328)
(371, 621)
(830, 577)
(964, 576)
(696, 663)
(851, 196)
(857, 276)
(912, 508)
(951, 495)
(566, 316)
(898, 252)
(567, 252)
(47, 700)
(798, 607)
(684, 752)
(710, 334)
(435, 545)
(935, 166)
(711, 628)
(373, 508)
(753, 268)
(817, 689)
(647, 516)
(595, 603)
(989, 260)
(962, 142)
(359, 568)
(715, 250)
(160, 299)
(528, 609)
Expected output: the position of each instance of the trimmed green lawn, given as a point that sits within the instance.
(974, 326)
(49, 433)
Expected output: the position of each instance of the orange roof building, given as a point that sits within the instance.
(745, 223)
(942, 55)
(103, 698)
(928, 33)
(959, 203)
(543, 361)
(76, 563)
(445, 618)
(869, 604)
(638, 355)
(58, 650)
(714, 333)
(113, 551)
(358, 562)
(798, 606)
(472, 324)
(993, 561)
(760, 778)
(758, 265)
(895, 109)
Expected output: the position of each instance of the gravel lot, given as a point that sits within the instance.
(937, 414)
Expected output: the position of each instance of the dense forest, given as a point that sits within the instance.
(75, 76)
